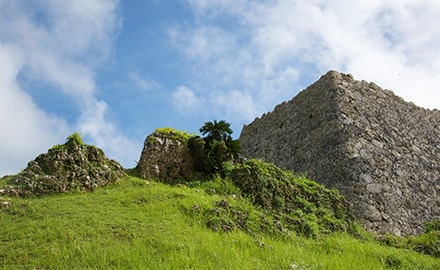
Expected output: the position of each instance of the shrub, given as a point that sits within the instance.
(432, 226)
(75, 138)
(216, 148)
(178, 135)
(301, 205)
(428, 242)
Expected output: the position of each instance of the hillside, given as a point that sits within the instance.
(141, 224)
(74, 208)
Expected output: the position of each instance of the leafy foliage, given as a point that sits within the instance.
(216, 131)
(218, 147)
(432, 226)
(429, 241)
(197, 147)
(75, 138)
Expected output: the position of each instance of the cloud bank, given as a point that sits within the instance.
(55, 44)
(248, 56)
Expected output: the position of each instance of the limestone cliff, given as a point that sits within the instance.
(381, 152)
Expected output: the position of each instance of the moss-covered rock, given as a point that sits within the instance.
(299, 204)
(66, 167)
(166, 156)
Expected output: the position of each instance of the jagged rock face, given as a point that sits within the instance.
(72, 166)
(165, 158)
(381, 152)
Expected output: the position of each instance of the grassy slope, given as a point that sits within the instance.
(132, 224)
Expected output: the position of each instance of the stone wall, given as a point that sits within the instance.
(381, 152)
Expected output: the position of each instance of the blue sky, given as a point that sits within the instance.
(117, 70)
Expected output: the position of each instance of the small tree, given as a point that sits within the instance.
(219, 145)
(218, 131)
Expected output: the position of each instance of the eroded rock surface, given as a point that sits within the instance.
(71, 166)
(166, 157)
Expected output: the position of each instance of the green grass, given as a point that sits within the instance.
(136, 224)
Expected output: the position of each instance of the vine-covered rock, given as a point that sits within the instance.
(70, 166)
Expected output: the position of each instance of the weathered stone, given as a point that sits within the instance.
(165, 157)
(370, 144)
(71, 166)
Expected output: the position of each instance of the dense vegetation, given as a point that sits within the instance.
(299, 204)
(215, 148)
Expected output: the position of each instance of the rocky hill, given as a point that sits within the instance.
(381, 152)
(70, 166)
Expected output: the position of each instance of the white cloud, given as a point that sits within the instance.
(186, 101)
(93, 123)
(272, 45)
(58, 43)
(203, 43)
(234, 103)
(61, 41)
(145, 82)
(228, 76)
(26, 129)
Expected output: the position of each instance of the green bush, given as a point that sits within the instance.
(75, 138)
(427, 242)
(178, 135)
(432, 226)
(212, 151)
(302, 205)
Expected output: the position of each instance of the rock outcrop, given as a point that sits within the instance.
(166, 157)
(381, 152)
(71, 166)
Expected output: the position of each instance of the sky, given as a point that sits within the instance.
(117, 70)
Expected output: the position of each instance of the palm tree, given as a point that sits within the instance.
(219, 145)
(219, 131)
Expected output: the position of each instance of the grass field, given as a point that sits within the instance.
(138, 224)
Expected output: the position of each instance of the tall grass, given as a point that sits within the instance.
(136, 224)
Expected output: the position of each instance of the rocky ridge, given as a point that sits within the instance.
(381, 152)
(70, 166)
